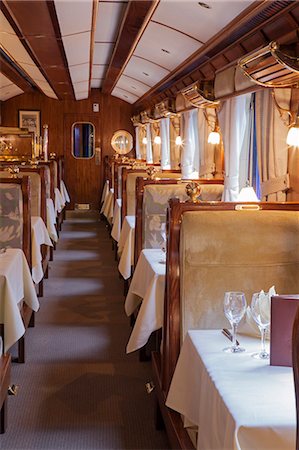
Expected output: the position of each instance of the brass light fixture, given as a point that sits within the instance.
(200, 94)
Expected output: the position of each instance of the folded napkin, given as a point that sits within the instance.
(248, 325)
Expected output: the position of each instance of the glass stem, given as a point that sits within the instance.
(234, 329)
(263, 337)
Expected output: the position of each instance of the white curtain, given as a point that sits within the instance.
(233, 120)
(165, 143)
(137, 140)
(149, 150)
(190, 148)
(272, 149)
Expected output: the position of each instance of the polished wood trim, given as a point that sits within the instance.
(135, 20)
(171, 326)
(5, 374)
(92, 40)
(14, 76)
(295, 357)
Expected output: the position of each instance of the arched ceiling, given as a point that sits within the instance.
(130, 49)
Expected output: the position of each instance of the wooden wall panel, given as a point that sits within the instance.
(114, 114)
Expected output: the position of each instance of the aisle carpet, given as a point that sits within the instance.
(78, 388)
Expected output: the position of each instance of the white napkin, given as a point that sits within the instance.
(248, 325)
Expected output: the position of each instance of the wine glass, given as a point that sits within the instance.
(163, 244)
(260, 311)
(234, 310)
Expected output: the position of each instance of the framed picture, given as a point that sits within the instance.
(30, 119)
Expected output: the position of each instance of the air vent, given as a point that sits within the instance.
(82, 206)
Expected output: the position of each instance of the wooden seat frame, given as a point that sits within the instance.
(164, 366)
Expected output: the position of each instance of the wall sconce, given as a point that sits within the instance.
(247, 194)
(157, 140)
(178, 140)
(144, 140)
(293, 134)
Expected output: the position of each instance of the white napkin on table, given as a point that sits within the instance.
(248, 325)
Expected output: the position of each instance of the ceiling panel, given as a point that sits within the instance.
(8, 89)
(108, 20)
(77, 48)
(145, 71)
(124, 95)
(131, 85)
(102, 53)
(194, 20)
(79, 73)
(96, 83)
(158, 40)
(98, 71)
(74, 16)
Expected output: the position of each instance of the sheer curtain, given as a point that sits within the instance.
(137, 140)
(234, 124)
(190, 147)
(149, 149)
(272, 149)
(175, 150)
(165, 143)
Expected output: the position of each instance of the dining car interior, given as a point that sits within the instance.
(149, 225)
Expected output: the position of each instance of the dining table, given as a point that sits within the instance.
(234, 400)
(126, 246)
(116, 228)
(51, 220)
(108, 206)
(146, 292)
(39, 236)
(16, 285)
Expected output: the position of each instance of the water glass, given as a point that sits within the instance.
(234, 310)
(260, 311)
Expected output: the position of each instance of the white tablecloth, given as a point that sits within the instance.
(51, 220)
(105, 191)
(15, 284)
(59, 201)
(147, 286)
(236, 401)
(126, 245)
(115, 232)
(108, 206)
(64, 193)
(39, 236)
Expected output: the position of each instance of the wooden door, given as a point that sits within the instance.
(82, 175)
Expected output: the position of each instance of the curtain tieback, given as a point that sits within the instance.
(277, 184)
(207, 169)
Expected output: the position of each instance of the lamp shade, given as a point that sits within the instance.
(144, 140)
(214, 137)
(178, 140)
(247, 194)
(293, 136)
(157, 140)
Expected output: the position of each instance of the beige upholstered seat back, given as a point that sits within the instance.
(155, 202)
(11, 215)
(234, 251)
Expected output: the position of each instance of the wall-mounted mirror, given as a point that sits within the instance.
(83, 140)
(122, 142)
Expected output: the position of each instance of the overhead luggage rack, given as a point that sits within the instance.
(200, 94)
(273, 65)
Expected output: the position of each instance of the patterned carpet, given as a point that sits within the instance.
(78, 388)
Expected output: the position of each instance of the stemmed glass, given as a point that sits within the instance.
(163, 244)
(234, 310)
(260, 311)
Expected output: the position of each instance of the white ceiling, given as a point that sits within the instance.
(177, 29)
(13, 47)
(8, 89)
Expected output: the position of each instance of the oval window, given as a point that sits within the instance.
(83, 140)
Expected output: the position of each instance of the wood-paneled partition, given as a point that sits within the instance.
(84, 181)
